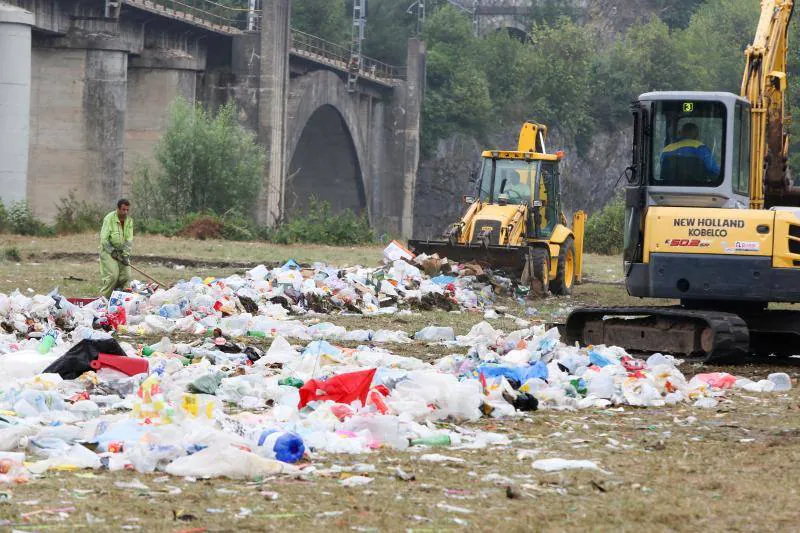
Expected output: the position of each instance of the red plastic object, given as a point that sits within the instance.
(127, 365)
(344, 388)
(80, 302)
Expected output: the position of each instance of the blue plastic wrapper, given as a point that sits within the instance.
(598, 359)
(517, 373)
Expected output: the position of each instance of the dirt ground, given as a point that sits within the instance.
(734, 467)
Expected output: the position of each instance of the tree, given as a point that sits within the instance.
(713, 44)
(205, 164)
(457, 93)
(328, 19)
(389, 27)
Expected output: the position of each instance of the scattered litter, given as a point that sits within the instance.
(557, 464)
(439, 458)
(356, 481)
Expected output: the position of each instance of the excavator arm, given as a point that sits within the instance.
(764, 85)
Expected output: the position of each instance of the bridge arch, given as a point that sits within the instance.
(514, 27)
(325, 147)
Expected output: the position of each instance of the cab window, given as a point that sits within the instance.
(688, 144)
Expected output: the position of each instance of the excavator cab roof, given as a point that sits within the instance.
(718, 96)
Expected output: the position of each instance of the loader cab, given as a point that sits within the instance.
(692, 149)
(523, 178)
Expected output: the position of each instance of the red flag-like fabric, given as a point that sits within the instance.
(344, 388)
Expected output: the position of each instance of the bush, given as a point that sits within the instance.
(4, 224)
(320, 226)
(605, 230)
(206, 164)
(77, 216)
(22, 222)
(12, 254)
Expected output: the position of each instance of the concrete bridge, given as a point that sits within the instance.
(85, 86)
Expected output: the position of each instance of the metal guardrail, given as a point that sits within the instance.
(231, 20)
(316, 48)
(205, 13)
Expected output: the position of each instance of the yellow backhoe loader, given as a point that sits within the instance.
(515, 222)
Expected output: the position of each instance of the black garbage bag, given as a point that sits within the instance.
(79, 358)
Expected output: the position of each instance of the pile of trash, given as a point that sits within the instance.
(263, 298)
(214, 403)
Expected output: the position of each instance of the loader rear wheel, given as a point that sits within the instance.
(565, 273)
(537, 271)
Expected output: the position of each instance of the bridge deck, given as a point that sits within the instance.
(231, 21)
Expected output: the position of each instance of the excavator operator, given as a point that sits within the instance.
(686, 156)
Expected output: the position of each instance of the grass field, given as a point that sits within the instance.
(731, 468)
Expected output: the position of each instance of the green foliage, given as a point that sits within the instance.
(320, 226)
(205, 163)
(12, 254)
(21, 221)
(713, 45)
(605, 230)
(4, 225)
(388, 28)
(77, 216)
(457, 93)
(329, 19)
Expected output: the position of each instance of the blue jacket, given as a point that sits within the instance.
(684, 147)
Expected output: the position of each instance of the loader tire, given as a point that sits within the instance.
(565, 272)
(537, 271)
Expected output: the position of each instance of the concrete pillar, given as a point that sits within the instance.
(273, 93)
(104, 107)
(78, 103)
(415, 85)
(15, 99)
(156, 78)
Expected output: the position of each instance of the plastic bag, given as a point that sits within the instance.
(223, 460)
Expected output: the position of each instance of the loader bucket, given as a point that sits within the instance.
(510, 259)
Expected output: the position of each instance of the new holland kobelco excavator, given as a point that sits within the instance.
(712, 218)
(515, 222)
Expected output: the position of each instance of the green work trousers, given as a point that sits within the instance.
(114, 275)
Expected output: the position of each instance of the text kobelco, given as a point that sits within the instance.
(708, 227)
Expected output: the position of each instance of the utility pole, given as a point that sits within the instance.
(420, 11)
(356, 41)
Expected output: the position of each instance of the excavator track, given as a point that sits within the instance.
(715, 336)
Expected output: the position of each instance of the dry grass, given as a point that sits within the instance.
(732, 468)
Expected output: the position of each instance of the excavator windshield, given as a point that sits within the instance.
(688, 144)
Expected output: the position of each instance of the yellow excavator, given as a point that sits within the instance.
(712, 218)
(515, 222)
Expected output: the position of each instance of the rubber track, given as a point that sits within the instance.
(731, 335)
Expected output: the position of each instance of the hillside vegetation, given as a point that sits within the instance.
(578, 70)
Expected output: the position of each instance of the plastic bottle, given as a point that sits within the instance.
(285, 447)
(256, 333)
(47, 342)
(435, 440)
(147, 351)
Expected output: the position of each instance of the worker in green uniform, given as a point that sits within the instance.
(116, 244)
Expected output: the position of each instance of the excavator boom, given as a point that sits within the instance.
(764, 85)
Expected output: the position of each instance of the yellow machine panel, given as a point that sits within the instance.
(787, 239)
(706, 231)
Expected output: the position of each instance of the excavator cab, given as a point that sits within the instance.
(691, 149)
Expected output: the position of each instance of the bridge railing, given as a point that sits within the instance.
(205, 12)
(314, 47)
